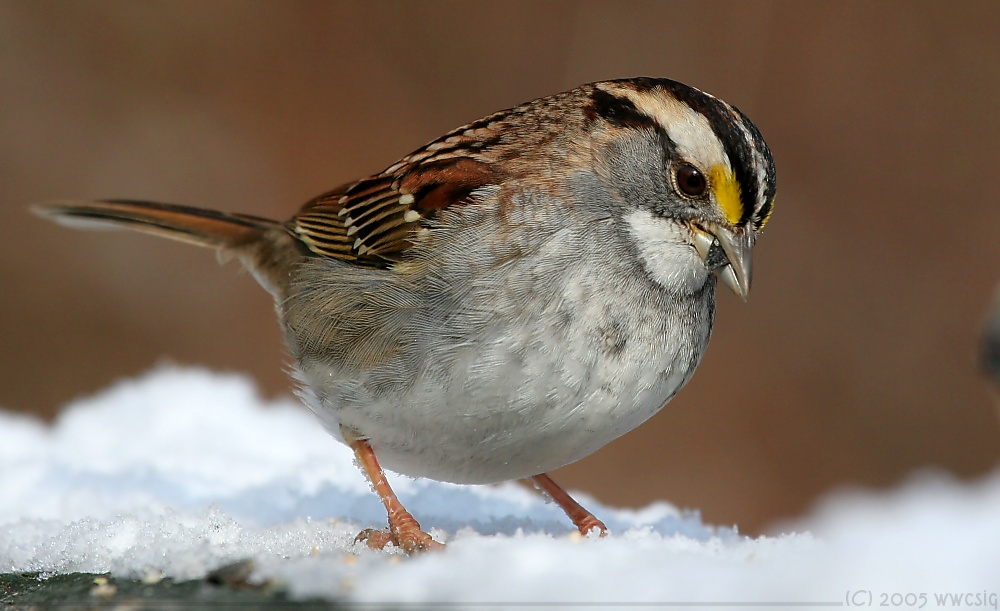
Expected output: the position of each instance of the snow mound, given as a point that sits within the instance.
(183, 470)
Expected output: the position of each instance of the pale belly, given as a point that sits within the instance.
(517, 397)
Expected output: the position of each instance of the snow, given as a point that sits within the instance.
(184, 470)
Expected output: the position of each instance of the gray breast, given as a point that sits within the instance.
(483, 359)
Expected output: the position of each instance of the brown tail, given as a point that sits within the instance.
(193, 225)
(259, 243)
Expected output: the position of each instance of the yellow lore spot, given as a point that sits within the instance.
(727, 193)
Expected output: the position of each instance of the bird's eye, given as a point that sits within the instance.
(690, 180)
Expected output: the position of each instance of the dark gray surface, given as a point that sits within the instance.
(80, 590)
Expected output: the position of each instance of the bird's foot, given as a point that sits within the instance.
(589, 523)
(584, 521)
(404, 532)
(410, 540)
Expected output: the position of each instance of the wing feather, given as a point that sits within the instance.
(372, 221)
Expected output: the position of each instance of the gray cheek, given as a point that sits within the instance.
(635, 170)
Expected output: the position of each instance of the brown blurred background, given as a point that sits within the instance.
(853, 363)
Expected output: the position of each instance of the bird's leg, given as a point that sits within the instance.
(404, 531)
(582, 519)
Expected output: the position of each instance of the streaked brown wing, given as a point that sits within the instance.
(370, 222)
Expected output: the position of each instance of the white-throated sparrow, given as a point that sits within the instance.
(512, 296)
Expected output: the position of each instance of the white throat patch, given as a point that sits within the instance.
(667, 252)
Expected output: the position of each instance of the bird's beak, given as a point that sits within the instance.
(737, 245)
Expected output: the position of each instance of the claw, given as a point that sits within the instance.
(411, 541)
